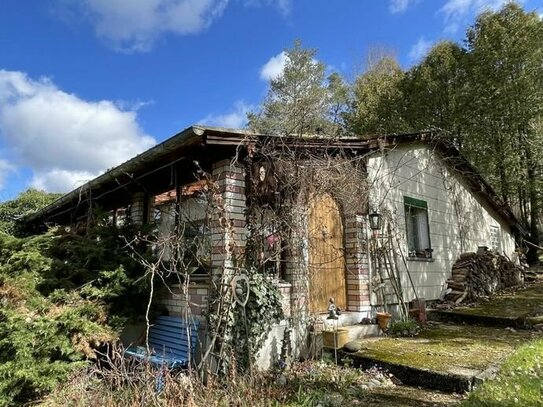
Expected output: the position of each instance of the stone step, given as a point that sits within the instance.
(363, 331)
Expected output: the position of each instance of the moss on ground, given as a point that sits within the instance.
(404, 396)
(513, 303)
(519, 381)
(448, 348)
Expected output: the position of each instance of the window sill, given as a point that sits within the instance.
(423, 259)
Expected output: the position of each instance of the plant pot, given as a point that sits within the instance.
(335, 339)
(383, 319)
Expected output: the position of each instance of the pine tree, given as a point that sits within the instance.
(299, 101)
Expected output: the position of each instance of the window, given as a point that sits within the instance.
(418, 230)
(495, 238)
(195, 244)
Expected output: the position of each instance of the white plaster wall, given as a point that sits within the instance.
(459, 220)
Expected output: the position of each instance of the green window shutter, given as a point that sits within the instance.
(417, 203)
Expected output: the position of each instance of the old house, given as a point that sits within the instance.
(305, 204)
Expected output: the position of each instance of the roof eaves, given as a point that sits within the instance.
(185, 137)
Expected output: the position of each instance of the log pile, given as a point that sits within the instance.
(476, 275)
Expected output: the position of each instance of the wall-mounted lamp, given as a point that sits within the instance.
(375, 220)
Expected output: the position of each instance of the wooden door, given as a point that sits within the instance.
(326, 254)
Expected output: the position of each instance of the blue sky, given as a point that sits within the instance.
(87, 84)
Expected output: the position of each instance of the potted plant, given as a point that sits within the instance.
(383, 319)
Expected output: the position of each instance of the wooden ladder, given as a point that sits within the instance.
(385, 263)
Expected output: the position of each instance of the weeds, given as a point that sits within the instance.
(120, 382)
(408, 327)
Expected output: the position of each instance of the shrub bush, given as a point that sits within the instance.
(61, 297)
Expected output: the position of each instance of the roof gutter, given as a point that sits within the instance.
(186, 136)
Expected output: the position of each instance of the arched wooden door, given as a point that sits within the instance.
(326, 254)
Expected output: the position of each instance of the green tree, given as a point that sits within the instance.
(504, 106)
(377, 103)
(300, 100)
(338, 99)
(25, 204)
(432, 88)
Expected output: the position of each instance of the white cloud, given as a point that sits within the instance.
(419, 50)
(58, 180)
(456, 11)
(284, 6)
(235, 119)
(62, 137)
(274, 67)
(134, 25)
(5, 169)
(398, 6)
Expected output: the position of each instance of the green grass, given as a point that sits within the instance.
(519, 382)
(448, 348)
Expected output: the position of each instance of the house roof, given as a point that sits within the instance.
(203, 142)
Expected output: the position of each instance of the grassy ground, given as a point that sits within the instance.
(307, 384)
(513, 303)
(448, 348)
(519, 382)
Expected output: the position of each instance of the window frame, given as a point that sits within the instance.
(418, 204)
(498, 230)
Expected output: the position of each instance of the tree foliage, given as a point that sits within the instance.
(504, 105)
(300, 100)
(377, 98)
(25, 204)
(431, 90)
(62, 296)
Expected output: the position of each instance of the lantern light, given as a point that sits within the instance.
(375, 220)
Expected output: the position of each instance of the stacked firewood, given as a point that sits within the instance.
(476, 275)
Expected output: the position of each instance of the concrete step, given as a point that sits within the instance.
(363, 331)
(346, 318)
(458, 382)
(459, 317)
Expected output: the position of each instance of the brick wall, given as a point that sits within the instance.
(228, 229)
(296, 262)
(357, 263)
(176, 302)
(138, 208)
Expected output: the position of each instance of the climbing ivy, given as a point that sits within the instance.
(252, 323)
(244, 328)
